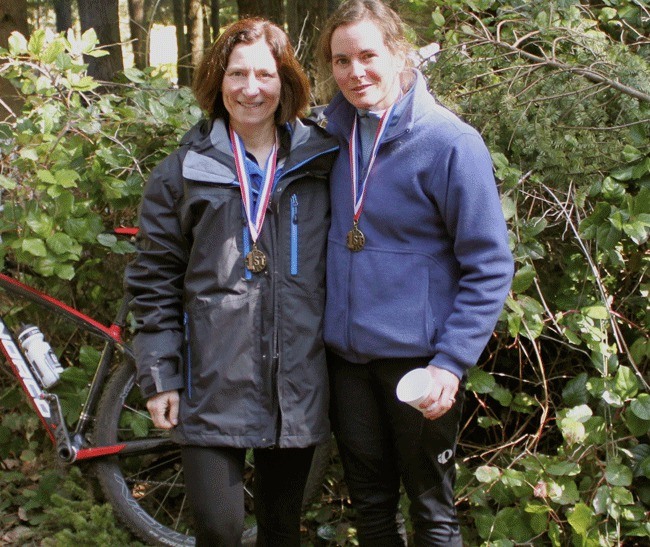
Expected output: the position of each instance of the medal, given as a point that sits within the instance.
(255, 260)
(355, 239)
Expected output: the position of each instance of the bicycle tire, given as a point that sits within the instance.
(146, 491)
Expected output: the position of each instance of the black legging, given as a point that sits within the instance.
(214, 486)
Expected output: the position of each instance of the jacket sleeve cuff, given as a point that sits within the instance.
(155, 384)
(443, 362)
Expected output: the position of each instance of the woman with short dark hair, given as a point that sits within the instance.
(228, 288)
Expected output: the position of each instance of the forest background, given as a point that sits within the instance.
(555, 446)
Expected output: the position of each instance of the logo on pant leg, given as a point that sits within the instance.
(445, 456)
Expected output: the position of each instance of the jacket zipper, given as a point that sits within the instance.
(294, 234)
(247, 247)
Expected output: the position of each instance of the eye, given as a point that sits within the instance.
(340, 61)
(367, 57)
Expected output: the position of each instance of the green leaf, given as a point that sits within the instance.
(636, 425)
(7, 183)
(486, 473)
(64, 271)
(17, 43)
(618, 474)
(36, 41)
(66, 178)
(596, 312)
(88, 41)
(574, 432)
(562, 468)
(509, 207)
(563, 491)
(61, 243)
(523, 278)
(575, 391)
(480, 381)
(581, 519)
(34, 247)
(45, 176)
(626, 383)
(501, 394)
(641, 406)
(437, 18)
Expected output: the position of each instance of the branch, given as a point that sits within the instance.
(552, 62)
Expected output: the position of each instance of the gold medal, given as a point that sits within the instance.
(256, 260)
(355, 239)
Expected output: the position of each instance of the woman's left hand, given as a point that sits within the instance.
(443, 394)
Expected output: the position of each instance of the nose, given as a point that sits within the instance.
(357, 70)
(251, 86)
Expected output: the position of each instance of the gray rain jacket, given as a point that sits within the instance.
(245, 349)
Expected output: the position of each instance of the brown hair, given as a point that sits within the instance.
(209, 74)
(355, 11)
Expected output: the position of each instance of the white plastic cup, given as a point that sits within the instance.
(414, 387)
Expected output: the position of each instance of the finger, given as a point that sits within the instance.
(173, 411)
(157, 411)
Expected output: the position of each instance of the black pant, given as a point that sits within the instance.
(382, 440)
(214, 486)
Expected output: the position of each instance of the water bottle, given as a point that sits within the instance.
(39, 353)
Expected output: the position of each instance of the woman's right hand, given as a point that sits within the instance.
(163, 408)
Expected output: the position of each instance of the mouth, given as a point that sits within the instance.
(360, 88)
(250, 105)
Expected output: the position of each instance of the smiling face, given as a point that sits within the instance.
(366, 71)
(251, 87)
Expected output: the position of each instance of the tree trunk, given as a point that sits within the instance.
(182, 62)
(104, 18)
(195, 30)
(269, 9)
(139, 27)
(215, 23)
(305, 20)
(13, 16)
(63, 14)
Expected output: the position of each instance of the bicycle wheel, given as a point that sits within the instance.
(146, 490)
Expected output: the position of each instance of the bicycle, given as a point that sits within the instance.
(137, 466)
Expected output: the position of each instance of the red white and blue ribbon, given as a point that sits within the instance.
(358, 197)
(255, 213)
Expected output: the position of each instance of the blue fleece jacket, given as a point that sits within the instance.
(436, 268)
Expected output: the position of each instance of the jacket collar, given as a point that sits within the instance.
(340, 113)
